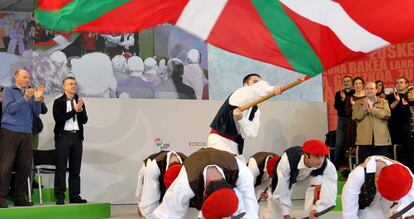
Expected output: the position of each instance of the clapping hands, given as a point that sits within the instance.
(79, 105)
(38, 93)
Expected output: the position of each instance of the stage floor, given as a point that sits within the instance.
(99, 210)
(130, 212)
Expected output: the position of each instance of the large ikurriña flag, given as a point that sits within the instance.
(307, 36)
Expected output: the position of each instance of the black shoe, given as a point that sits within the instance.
(22, 203)
(3, 204)
(345, 173)
(35, 185)
(60, 202)
(78, 200)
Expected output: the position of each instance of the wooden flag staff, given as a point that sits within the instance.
(271, 94)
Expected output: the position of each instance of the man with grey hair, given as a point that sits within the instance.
(371, 115)
(193, 73)
(150, 71)
(20, 104)
(135, 86)
(174, 88)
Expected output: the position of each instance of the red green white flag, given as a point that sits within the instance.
(307, 36)
(59, 42)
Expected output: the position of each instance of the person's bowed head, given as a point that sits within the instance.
(394, 182)
(221, 204)
(171, 174)
(270, 165)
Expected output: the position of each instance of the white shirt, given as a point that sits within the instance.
(140, 182)
(352, 189)
(177, 198)
(282, 194)
(151, 194)
(246, 128)
(254, 168)
(70, 124)
(266, 180)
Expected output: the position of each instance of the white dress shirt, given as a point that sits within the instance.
(380, 207)
(266, 180)
(150, 195)
(177, 198)
(328, 181)
(70, 124)
(246, 128)
(140, 181)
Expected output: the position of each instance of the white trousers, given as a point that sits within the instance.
(274, 209)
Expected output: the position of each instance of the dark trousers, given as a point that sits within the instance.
(365, 151)
(408, 156)
(68, 148)
(15, 148)
(339, 155)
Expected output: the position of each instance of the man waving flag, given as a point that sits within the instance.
(307, 36)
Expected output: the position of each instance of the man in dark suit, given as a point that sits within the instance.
(70, 115)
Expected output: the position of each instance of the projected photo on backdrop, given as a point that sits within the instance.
(164, 62)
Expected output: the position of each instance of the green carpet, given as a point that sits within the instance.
(52, 211)
(48, 196)
(338, 206)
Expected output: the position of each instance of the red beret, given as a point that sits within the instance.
(394, 182)
(270, 166)
(219, 204)
(316, 147)
(171, 173)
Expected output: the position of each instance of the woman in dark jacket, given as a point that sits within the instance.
(37, 127)
(408, 129)
(350, 137)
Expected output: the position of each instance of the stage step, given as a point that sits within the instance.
(48, 196)
(52, 211)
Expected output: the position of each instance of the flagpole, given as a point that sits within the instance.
(271, 94)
